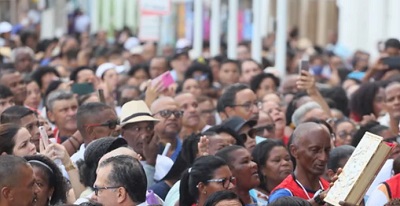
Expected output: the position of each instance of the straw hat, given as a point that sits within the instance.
(136, 111)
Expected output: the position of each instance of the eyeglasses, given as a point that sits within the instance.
(225, 182)
(260, 130)
(250, 134)
(201, 77)
(167, 113)
(111, 124)
(248, 105)
(345, 134)
(97, 189)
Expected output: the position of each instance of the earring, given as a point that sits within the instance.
(205, 192)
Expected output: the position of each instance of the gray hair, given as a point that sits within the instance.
(127, 172)
(56, 96)
(302, 110)
(20, 50)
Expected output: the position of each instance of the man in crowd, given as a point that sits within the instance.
(13, 80)
(61, 111)
(166, 109)
(229, 72)
(248, 69)
(95, 120)
(157, 66)
(6, 98)
(17, 183)
(137, 125)
(207, 110)
(191, 121)
(310, 147)
(392, 103)
(23, 58)
(238, 100)
(120, 180)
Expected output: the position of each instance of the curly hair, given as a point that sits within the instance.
(55, 178)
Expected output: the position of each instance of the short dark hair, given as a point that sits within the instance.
(219, 196)
(290, 200)
(259, 78)
(14, 114)
(226, 154)
(224, 129)
(10, 170)
(231, 61)
(337, 154)
(41, 71)
(199, 67)
(392, 43)
(5, 92)
(127, 172)
(74, 74)
(25, 34)
(138, 67)
(7, 141)
(228, 98)
(87, 111)
(202, 170)
(54, 177)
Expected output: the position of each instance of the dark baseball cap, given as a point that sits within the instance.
(236, 123)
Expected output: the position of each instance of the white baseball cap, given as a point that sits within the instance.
(5, 27)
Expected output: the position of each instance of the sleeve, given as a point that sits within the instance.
(278, 194)
(150, 171)
(378, 197)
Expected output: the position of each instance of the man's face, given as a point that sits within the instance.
(136, 133)
(229, 74)
(246, 105)
(312, 151)
(106, 197)
(23, 63)
(392, 93)
(6, 103)
(391, 51)
(243, 53)
(16, 84)
(106, 125)
(85, 75)
(249, 70)
(207, 112)
(25, 188)
(63, 114)
(157, 67)
(31, 123)
(169, 124)
(188, 104)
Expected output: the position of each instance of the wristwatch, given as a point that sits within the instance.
(317, 198)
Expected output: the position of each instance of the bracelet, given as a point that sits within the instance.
(76, 139)
(73, 145)
(69, 167)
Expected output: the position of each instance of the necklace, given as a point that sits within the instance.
(304, 189)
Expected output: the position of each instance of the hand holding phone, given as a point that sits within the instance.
(304, 65)
(165, 78)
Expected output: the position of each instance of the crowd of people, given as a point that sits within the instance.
(86, 121)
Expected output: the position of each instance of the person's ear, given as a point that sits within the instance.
(50, 116)
(228, 111)
(6, 193)
(202, 188)
(122, 195)
(89, 130)
(293, 151)
(264, 171)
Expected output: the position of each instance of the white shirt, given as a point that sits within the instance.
(79, 155)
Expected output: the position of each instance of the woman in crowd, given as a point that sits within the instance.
(33, 95)
(15, 140)
(367, 100)
(140, 73)
(274, 165)
(244, 169)
(192, 86)
(263, 84)
(48, 177)
(344, 130)
(207, 175)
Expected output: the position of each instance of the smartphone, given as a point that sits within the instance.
(43, 135)
(165, 78)
(392, 62)
(304, 65)
(82, 88)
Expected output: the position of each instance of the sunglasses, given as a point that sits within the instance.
(111, 124)
(168, 113)
(225, 182)
(260, 130)
(250, 134)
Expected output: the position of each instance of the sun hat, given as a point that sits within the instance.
(136, 111)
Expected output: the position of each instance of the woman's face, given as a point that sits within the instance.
(379, 102)
(344, 133)
(278, 165)
(245, 170)
(33, 95)
(141, 76)
(47, 79)
(23, 145)
(202, 79)
(111, 79)
(191, 86)
(42, 182)
(267, 86)
(221, 173)
(275, 111)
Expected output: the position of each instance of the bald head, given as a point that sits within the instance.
(120, 151)
(303, 131)
(160, 103)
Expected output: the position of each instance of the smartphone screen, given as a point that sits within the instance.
(82, 88)
(304, 65)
